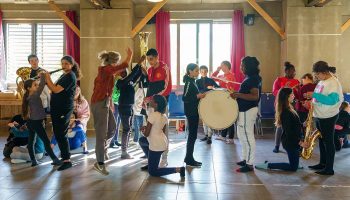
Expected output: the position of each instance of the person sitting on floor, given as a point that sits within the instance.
(12, 140)
(20, 154)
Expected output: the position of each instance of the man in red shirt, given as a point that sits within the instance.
(159, 82)
(225, 81)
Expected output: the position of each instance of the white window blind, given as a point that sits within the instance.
(18, 47)
(49, 46)
(46, 40)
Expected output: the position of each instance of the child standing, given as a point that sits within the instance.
(115, 99)
(205, 84)
(32, 109)
(126, 102)
(104, 121)
(157, 141)
(301, 107)
(191, 100)
(225, 81)
(287, 118)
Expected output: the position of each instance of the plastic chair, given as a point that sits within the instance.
(176, 109)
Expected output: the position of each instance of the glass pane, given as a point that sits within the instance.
(187, 47)
(221, 44)
(18, 48)
(49, 47)
(173, 52)
(204, 47)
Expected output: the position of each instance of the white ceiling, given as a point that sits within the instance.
(42, 1)
(198, 1)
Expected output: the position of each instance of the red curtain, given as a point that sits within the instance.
(163, 36)
(2, 48)
(72, 40)
(237, 48)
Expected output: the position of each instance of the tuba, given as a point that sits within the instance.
(23, 74)
(311, 134)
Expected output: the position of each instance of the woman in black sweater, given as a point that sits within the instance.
(287, 118)
(191, 98)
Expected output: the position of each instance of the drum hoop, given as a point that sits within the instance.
(216, 128)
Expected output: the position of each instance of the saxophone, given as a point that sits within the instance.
(23, 74)
(311, 134)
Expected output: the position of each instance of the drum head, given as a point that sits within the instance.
(218, 110)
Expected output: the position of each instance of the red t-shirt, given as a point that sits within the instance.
(281, 82)
(229, 76)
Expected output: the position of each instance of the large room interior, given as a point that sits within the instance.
(199, 31)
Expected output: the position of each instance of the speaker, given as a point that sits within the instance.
(249, 19)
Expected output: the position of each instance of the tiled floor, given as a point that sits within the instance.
(215, 180)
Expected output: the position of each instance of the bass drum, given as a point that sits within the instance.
(218, 110)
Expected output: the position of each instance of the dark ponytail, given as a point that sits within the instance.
(75, 67)
(190, 67)
(323, 67)
(288, 66)
(25, 104)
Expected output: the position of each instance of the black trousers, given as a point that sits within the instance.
(192, 136)
(36, 128)
(230, 131)
(60, 122)
(326, 143)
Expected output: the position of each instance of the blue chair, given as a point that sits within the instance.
(267, 106)
(347, 97)
(266, 110)
(176, 109)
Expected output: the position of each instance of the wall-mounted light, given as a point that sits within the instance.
(154, 1)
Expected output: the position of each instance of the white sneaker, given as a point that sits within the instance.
(101, 168)
(163, 163)
(16, 161)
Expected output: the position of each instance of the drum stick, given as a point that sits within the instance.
(224, 80)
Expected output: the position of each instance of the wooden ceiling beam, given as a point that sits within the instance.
(149, 15)
(345, 26)
(268, 18)
(61, 14)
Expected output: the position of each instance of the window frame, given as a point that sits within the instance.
(33, 24)
(211, 40)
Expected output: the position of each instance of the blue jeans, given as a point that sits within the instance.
(293, 156)
(138, 122)
(117, 120)
(153, 160)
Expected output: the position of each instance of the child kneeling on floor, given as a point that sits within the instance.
(157, 140)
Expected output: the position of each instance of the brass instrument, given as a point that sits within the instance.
(311, 134)
(144, 42)
(23, 74)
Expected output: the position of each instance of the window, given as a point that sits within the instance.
(46, 40)
(203, 43)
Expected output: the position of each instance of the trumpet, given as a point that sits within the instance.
(52, 72)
